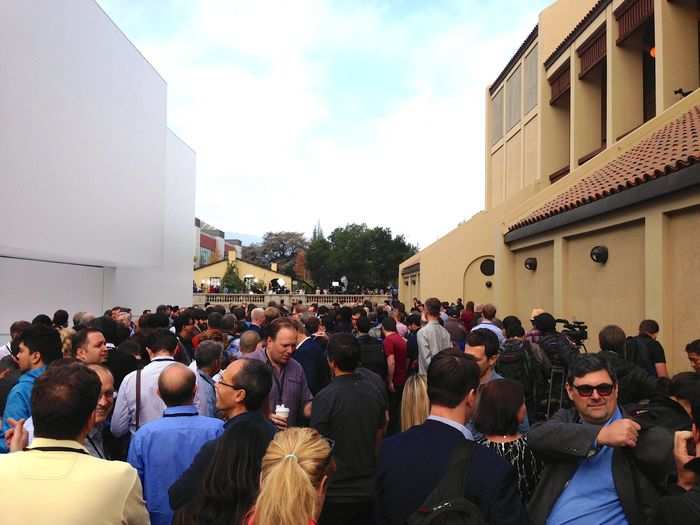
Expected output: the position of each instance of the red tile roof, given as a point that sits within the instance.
(670, 149)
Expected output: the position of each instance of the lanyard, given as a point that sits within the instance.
(279, 382)
(188, 414)
(96, 448)
(57, 449)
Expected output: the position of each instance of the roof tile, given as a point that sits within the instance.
(668, 150)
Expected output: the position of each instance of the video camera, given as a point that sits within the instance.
(577, 331)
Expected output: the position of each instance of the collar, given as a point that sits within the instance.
(161, 359)
(64, 443)
(205, 376)
(303, 341)
(464, 430)
(183, 409)
(240, 417)
(433, 321)
(33, 374)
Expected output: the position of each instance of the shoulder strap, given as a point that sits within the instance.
(138, 398)
(451, 485)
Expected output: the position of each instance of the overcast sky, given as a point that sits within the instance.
(348, 111)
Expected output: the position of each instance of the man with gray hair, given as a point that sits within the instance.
(249, 342)
(206, 365)
(257, 320)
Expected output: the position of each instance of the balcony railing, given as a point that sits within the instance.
(264, 299)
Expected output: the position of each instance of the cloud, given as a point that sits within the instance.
(332, 111)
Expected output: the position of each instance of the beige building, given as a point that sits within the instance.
(252, 275)
(592, 139)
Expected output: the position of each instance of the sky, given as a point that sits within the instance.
(333, 111)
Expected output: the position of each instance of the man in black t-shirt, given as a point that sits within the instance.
(652, 357)
(351, 412)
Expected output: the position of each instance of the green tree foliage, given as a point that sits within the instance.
(231, 281)
(277, 247)
(368, 257)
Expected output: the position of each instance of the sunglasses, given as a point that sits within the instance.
(234, 386)
(603, 389)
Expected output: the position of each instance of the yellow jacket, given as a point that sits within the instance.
(68, 487)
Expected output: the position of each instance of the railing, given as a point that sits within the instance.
(264, 299)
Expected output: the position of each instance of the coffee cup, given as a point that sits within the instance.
(282, 411)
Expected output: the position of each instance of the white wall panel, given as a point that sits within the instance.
(82, 138)
(28, 288)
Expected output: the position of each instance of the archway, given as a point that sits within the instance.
(480, 280)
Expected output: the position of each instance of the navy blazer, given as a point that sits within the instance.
(412, 463)
(312, 358)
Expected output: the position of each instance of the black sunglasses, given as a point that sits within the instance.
(603, 389)
(234, 386)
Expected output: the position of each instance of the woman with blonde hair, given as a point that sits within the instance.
(67, 341)
(415, 406)
(294, 479)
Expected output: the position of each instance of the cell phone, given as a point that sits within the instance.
(690, 445)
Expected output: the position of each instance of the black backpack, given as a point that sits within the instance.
(558, 349)
(447, 504)
(636, 352)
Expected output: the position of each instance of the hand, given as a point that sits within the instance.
(16, 437)
(621, 433)
(279, 422)
(687, 479)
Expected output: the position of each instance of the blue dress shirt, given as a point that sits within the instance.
(19, 402)
(591, 496)
(163, 449)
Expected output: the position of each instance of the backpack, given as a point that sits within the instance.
(528, 365)
(636, 352)
(558, 349)
(447, 504)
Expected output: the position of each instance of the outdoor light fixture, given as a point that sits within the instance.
(652, 52)
(599, 254)
(489, 284)
(531, 264)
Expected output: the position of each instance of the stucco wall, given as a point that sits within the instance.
(535, 289)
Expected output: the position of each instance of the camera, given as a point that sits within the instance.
(577, 331)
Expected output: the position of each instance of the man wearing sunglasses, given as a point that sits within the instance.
(597, 461)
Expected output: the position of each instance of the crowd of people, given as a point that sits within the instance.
(343, 414)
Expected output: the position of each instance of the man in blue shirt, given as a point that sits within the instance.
(163, 449)
(39, 346)
(206, 365)
(598, 463)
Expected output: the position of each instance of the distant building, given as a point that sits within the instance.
(210, 244)
(592, 202)
(208, 277)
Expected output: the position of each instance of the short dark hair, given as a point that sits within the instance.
(363, 324)
(311, 325)
(208, 352)
(648, 326)
(497, 410)
(42, 319)
(80, 337)
(413, 319)
(584, 364)
(162, 308)
(488, 311)
(215, 320)
(612, 338)
(255, 377)
(43, 339)
(545, 322)
(389, 324)
(182, 320)
(433, 306)
(162, 340)
(486, 338)
(19, 326)
(178, 394)
(60, 318)
(514, 330)
(685, 385)
(693, 347)
(511, 320)
(63, 398)
(451, 376)
(278, 324)
(344, 350)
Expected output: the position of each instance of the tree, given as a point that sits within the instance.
(231, 281)
(368, 257)
(277, 247)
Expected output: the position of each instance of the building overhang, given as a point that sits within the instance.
(684, 179)
(414, 268)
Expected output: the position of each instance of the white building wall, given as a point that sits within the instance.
(82, 137)
(91, 176)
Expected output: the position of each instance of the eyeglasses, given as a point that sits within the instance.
(603, 389)
(234, 386)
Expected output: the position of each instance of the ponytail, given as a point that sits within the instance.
(293, 468)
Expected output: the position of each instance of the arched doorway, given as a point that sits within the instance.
(479, 280)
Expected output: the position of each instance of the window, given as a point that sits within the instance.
(530, 87)
(513, 88)
(497, 118)
(487, 267)
(204, 256)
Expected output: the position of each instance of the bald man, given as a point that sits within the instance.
(163, 449)
(249, 342)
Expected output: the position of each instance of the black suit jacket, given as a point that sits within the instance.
(186, 488)
(412, 463)
(564, 440)
(312, 358)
